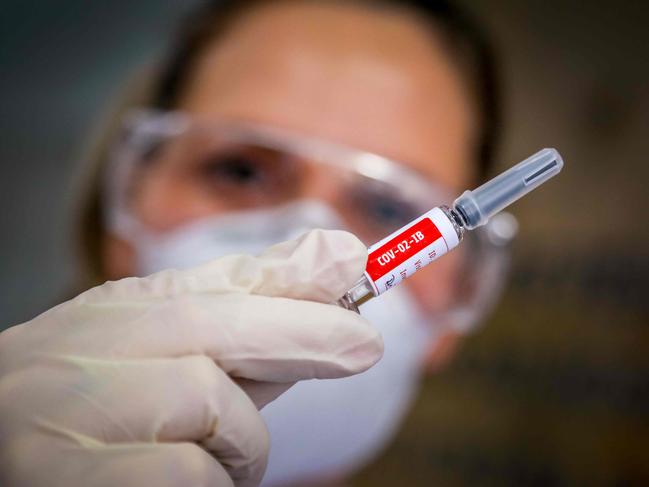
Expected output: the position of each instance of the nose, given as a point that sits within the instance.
(321, 183)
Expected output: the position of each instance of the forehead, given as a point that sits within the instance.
(375, 80)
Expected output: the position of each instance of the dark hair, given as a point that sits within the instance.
(465, 41)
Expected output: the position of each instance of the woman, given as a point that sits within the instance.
(270, 118)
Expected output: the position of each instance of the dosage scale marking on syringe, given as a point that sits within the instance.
(406, 251)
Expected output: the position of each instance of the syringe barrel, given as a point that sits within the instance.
(477, 206)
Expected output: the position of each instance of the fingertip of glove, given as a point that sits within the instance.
(340, 242)
(321, 265)
(373, 347)
(359, 347)
(339, 258)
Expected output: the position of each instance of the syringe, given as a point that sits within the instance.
(428, 237)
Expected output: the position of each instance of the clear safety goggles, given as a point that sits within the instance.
(243, 166)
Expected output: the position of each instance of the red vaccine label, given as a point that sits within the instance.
(410, 248)
(401, 248)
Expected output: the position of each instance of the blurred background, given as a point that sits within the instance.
(554, 389)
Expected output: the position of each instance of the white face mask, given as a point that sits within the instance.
(318, 427)
(242, 232)
(322, 428)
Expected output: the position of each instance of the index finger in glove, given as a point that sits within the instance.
(320, 266)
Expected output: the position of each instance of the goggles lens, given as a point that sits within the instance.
(239, 171)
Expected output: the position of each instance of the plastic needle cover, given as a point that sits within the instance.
(477, 206)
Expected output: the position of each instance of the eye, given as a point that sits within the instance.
(249, 176)
(238, 169)
(390, 212)
(382, 211)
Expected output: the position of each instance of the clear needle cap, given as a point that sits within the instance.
(477, 206)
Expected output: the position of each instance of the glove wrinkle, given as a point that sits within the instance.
(159, 380)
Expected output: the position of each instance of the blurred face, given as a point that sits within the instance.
(373, 80)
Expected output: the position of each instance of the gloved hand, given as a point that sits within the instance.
(156, 381)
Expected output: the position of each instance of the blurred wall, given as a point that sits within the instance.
(61, 64)
(554, 389)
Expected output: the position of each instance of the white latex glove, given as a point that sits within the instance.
(131, 383)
